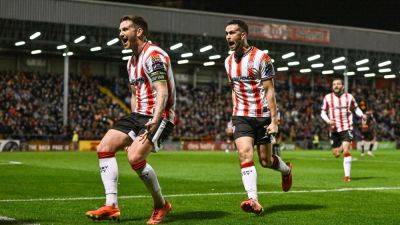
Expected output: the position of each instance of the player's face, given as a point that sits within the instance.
(234, 37)
(337, 86)
(128, 34)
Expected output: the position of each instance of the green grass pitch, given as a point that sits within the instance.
(203, 187)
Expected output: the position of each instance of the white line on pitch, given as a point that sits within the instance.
(207, 194)
(10, 163)
(8, 219)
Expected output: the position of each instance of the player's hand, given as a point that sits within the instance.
(151, 125)
(272, 128)
(331, 122)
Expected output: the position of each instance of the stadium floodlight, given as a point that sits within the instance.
(19, 43)
(288, 55)
(113, 41)
(211, 63)
(385, 70)
(369, 75)
(327, 72)
(126, 57)
(366, 68)
(183, 61)
(206, 48)
(305, 70)
(339, 67)
(214, 57)
(285, 68)
(35, 35)
(79, 39)
(95, 49)
(68, 54)
(314, 57)
(350, 73)
(35, 52)
(317, 65)
(61, 47)
(272, 60)
(339, 59)
(389, 76)
(386, 63)
(176, 46)
(126, 51)
(187, 55)
(294, 63)
(361, 62)
(266, 51)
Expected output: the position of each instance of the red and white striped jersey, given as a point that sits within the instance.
(339, 110)
(152, 64)
(246, 77)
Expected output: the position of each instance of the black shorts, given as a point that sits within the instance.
(367, 135)
(338, 137)
(134, 125)
(251, 127)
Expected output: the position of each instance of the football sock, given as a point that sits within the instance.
(109, 176)
(279, 165)
(347, 164)
(371, 146)
(362, 148)
(149, 178)
(249, 179)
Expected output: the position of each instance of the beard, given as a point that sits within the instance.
(239, 51)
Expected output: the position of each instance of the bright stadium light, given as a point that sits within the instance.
(113, 41)
(294, 63)
(305, 70)
(187, 55)
(211, 63)
(340, 59)
(339, 67)
(35, 35)
(206, 48)
(61, 47)
(176, 46)
(79, 39)
(314, 57)
(265, 51)
(389, 76)
(288, 55)
(95, 49)
(214, 57)
(272, 60)
(35, 52)
(317, 65)
(369, 75)
(126, 57)
(386, 63)
(385, 70)
(366, 68)
(350, 73)
(285, 68)
(68, 54)
(126, 51)
(361, 62)
(183, 61)
(327, 72)
(19, 43)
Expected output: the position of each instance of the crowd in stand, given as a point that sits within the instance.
(31, 106)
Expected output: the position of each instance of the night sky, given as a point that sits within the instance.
(375, 14)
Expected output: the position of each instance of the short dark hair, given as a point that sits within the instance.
(338, 78)
(241, 24)
(137, 21)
